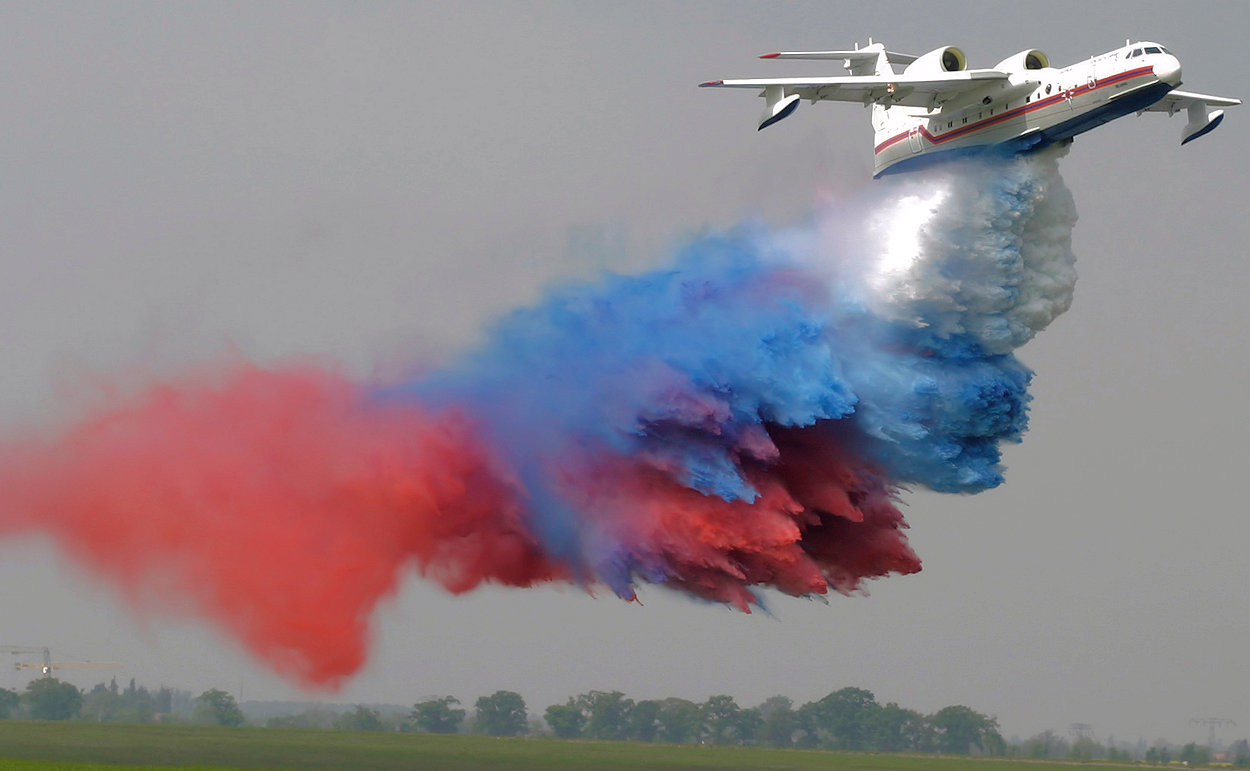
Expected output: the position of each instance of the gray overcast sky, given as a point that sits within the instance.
(374, 181)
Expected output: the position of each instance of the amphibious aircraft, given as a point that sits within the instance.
(937, 106)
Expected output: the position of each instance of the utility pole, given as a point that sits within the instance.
(1212, 723)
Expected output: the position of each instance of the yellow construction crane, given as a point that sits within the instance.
(48, 666)
(19, 650)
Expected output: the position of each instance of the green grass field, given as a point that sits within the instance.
(35, 746)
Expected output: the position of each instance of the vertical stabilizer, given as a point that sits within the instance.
(875, 65)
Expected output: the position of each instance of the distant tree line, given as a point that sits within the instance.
(1051, 746)
(47, 698)
(846, 719)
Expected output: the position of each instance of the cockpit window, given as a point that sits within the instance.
(1136, 52)
(1153, 50)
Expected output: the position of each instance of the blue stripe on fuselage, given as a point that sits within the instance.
(1117, 108)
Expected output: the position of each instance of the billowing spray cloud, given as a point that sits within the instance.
(741, 418)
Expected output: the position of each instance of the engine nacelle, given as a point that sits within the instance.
(944, 59)
(1031, 59)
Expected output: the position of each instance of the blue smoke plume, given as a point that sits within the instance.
(889, 319)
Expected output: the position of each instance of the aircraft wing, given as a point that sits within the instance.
(909, 90)
(1202, 120)
(1176, 101)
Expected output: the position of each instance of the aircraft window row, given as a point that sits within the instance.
(950, 124)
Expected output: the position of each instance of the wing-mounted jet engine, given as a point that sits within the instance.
(944, 59)
(1030, 59)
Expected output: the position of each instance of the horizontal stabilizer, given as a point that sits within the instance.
(865, 55)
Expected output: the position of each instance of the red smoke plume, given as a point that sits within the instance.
(821, 521)
(282, 505)
(285, 505)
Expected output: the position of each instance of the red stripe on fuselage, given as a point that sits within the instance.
(1027, 108)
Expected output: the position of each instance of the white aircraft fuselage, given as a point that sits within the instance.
(1063, 103)
(937, 107)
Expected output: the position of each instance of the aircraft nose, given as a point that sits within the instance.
(1168, 69)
